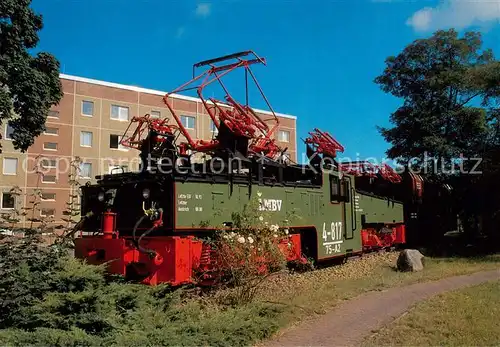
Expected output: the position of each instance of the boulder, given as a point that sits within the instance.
(410, 260)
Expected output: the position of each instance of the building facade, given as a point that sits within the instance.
(88, 124)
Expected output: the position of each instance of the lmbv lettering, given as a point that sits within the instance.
(270, 205)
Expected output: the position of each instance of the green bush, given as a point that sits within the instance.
(48, 298)
(48, 337)
(26, 269)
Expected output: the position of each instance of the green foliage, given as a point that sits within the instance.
(441, 81)
(23, 263)
(194, 326)
(451, 98)
(11, 218)
(29, 85)
(48, 337)
(48, 298)
(189, 326)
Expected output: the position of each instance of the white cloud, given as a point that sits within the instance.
(203, 10)
(458, 14)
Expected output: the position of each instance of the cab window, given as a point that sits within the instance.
(339, 189)
(334, 189)
(344, 190)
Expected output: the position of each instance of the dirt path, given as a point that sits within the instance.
(355, 319)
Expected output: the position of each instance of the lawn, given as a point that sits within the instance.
(318, 291)
(465, 317)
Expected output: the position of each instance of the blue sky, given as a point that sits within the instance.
(322, 55)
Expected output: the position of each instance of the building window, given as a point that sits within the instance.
(86, 139)
(50, 146)
(48, 196)
(49, 163)
(53, 114)
(47, 212)
(8, 201)
(48, 178)
(86, 170)
(188, 122)
(114, 142)
(213, 128)
(10, 166)
(284, 136)
(87, 108)
(8, 132)
(156, 114)
(119, 112)
(51, 131)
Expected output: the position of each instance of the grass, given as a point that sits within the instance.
(465, 317)
(314, 293)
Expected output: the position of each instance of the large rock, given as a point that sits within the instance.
(410, 260)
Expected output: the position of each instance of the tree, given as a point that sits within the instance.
(441, 81)
(29, 85)
(450, 87)
(487, 79)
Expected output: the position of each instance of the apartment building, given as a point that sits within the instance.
(88, 124)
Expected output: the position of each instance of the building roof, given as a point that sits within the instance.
(151, 91)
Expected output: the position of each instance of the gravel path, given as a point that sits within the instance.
(350, 322)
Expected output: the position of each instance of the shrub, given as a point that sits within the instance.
(26, 267)
(42, 286)
(248, 253)
(49, 298)
(48, 337)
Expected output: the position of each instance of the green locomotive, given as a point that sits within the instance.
(152, 223)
